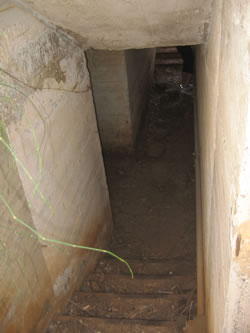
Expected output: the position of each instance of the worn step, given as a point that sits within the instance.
(168, 56)
(168, 76)
(177, 266)
(170, 61)
(64, 324)
(122, 283)
(166, 50)
(127, 306)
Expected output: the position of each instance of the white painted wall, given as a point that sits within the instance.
(223, 112)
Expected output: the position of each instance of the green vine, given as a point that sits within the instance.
(55, 241)
(36, 185)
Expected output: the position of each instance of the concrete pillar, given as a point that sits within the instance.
(121, 81)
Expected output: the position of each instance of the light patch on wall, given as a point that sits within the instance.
(62, 282)
(11, 314)
(243, 207)
(242, 249)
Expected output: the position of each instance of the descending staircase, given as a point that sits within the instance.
(168, 67)
(152, 199)
(158, 299)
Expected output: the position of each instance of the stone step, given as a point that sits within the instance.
(168, 56)
(141, 284)
(65, 324)
(166, 50)
(171, 61)
(127, 306)
(176, 266)
(168, 76)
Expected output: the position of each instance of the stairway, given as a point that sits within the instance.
(152, 198)
(110, 301)
(168, 67)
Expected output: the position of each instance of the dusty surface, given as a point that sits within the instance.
(168, 67)
(152, 196)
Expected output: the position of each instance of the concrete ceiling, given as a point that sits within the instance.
(124, 24)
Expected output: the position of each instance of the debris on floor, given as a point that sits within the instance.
(152, 198)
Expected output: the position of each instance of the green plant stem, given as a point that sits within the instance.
(55, 241)
(2, 83)
(26, 172)
(33, 134)
(35, 140)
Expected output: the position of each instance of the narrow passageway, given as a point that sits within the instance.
(152, 197)
(152, 193)
(76, 77)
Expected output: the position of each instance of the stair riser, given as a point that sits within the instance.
(165, 307)
(124, 284)
(97, 325)
(147, 268)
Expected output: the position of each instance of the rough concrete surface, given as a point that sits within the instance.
(223, 112)
(56, 182)
(44, 70)
(119, 24)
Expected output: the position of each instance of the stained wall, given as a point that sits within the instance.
(52, 179)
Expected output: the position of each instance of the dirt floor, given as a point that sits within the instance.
(153, 201)
(152, 192)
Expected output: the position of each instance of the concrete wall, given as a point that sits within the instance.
(121, 81)
(224, 127)
(110, 88)
(120, 24)
(55, 183)
(140, 68)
